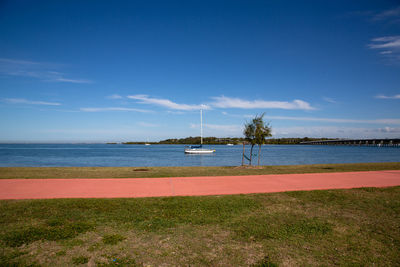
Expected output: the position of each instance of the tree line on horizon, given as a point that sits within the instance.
(229, 140)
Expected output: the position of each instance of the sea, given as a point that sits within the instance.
(120, 155)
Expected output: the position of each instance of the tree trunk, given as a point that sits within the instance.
(243, 155)
(259, 154)
(251, 154)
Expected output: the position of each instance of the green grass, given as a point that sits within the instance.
(80, 260)
(151, 172)
(333, 227)
(112, 239)
(47, 231)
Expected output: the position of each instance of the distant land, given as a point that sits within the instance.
(226, 140)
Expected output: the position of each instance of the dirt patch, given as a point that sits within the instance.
(141, 170)
(181, 246)
(186, 245)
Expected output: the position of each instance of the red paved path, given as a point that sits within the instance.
(191, 186)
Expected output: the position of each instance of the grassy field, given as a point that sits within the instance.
(335, 227)
(151, 172)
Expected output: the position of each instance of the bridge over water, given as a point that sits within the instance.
(394, 142)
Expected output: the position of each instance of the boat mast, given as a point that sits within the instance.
(201, 126)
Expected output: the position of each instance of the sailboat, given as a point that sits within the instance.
(199, 149)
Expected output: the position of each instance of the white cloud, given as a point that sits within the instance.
(388, 130)
(175, 112)
(29, 102)
(386, 121)
(61, 79)
(114, 96)
(335, 132)
(390, 46)
(38, 70)
(388, 14)
(113, 109)
(330, 100)
(316, 119)
(225, 102)
(144, 99)
(388, 97)
(229, 102)
(336, 120)
(19, 62)
(385, 42)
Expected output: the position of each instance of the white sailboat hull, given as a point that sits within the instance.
(199, 151)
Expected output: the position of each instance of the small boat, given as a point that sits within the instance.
(229, 144)
(147, 143)
(199, 149)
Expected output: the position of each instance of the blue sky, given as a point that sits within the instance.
(95, 71)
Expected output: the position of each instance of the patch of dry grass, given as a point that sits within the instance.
(333, 227)
(151, 172)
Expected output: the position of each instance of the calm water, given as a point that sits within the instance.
(49, 155)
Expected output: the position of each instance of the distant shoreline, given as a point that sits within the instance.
(185, 141)
(225, 140)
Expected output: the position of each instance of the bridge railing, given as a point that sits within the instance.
(357, 142)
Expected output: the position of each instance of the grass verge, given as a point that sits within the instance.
(332, 227)
(152, 172)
